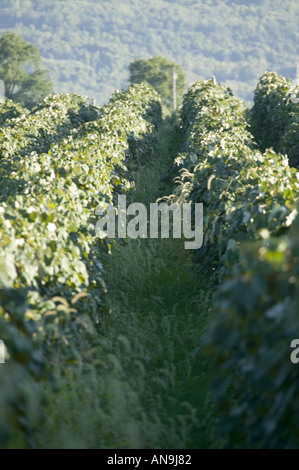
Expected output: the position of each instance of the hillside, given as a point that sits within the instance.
(88, 45)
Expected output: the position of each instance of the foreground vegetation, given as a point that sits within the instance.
(251, 226)
(136, 343)
(148, 383)
(58, 163)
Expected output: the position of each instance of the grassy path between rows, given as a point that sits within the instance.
(150, 384)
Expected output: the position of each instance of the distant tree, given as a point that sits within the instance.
(158, 72)
(24, 80)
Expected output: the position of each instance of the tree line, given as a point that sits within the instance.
(27, 83)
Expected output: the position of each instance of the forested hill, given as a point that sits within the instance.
(88, 45)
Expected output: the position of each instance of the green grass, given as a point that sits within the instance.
(149, 380)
